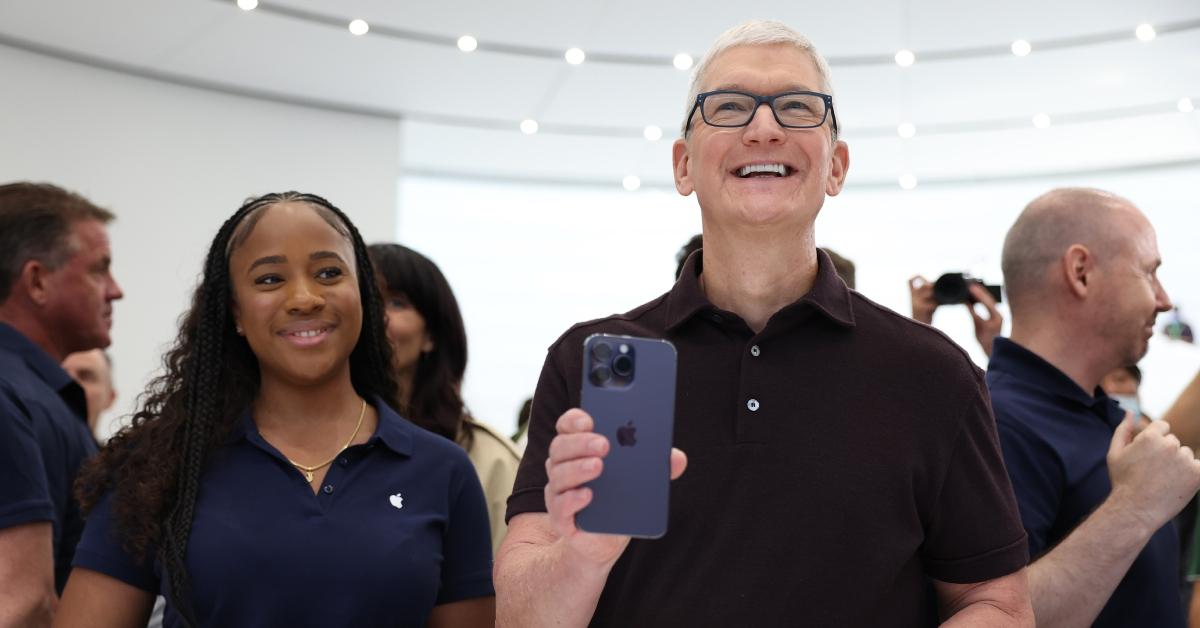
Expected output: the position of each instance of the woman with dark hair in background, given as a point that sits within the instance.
(429, 345)
(265, 480)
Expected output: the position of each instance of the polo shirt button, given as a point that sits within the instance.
(716, 318)
(344, 461)
(328, 489)
(754, 351)
(753, 405)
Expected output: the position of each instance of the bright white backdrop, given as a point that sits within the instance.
(527, 262)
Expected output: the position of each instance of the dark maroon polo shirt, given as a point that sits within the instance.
(838, 460)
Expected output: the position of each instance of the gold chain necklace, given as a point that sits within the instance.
(308, 471)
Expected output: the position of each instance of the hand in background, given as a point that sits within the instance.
(923, 303)
(986, 329)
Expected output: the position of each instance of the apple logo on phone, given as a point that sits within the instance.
(627, 435)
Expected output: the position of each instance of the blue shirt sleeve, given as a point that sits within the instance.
(24, 493)
(1037, 479)
(467, 545)
(100, 550)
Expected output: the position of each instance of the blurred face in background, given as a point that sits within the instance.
(407, 331)
(94, 373)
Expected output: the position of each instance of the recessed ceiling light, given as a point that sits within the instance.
(1021, 47)
(905, 58)
(652, 133)
(247, 5)
(908, 181)
(631, 183)
(906, 130)
(359, 27)
(1145, 32)
(529, 127)
(574, 56)
(466, 43)
(1185, 105)
(1041, 120)
(682, 61)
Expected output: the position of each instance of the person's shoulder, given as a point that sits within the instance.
(648, 319)
(895, 333)
(489, 441)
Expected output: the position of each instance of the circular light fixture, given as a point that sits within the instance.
(906, 130)
(1041, 120)
(1185, 105)
(574, 56)
(1145, 32)
(1021, 47)
(907, 181)
(466, 43)
(247, 5)
(682, 61)
(631, 183)
(652, 133)
(359, 27)
(905, 58)
(529, 127)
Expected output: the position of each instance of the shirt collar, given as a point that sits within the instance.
(829, 294)
(393, 431)
(35, 357)
(1016, 361)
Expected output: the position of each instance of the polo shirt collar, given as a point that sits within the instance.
(393, 431)
(1016, 361)
(829, 294)
(35, 357)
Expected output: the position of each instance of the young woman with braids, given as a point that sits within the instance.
(429, 348)
(265, 481)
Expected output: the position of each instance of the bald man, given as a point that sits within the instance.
(1096, 494)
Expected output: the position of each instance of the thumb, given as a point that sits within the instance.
(1123, 435)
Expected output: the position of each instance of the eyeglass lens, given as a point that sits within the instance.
(794, 110)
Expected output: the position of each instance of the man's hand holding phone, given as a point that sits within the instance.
(576, 458)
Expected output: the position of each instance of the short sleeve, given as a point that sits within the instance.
(551, 399)
(467, 545)
(100, 550)
(975, 533)
(1037, 479)
(24, 493)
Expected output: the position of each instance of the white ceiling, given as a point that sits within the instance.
(446, 95)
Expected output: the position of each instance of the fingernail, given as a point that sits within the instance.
(580, 423)
(597, 445)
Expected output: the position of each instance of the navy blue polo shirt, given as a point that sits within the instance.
(44, 439)
(399, 525)
(1055, 439)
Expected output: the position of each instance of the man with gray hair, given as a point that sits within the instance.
(1096, 494)
(828, 482)
(56, 295)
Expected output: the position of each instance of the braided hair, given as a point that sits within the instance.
(152, 467)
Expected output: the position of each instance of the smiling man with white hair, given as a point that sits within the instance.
(842, 460)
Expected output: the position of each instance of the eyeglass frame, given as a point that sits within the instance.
(758, 102)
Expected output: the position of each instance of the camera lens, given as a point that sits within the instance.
(951, 289)
(623, 366)
(601, 374)
(602, 351)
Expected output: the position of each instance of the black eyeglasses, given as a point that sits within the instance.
(792, 110)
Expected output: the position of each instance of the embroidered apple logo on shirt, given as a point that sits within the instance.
(397, 501)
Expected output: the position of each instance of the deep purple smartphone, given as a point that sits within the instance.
(629, 389)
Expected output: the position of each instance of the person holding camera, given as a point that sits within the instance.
(1096, 492)
(925, 301)
(828, 483)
